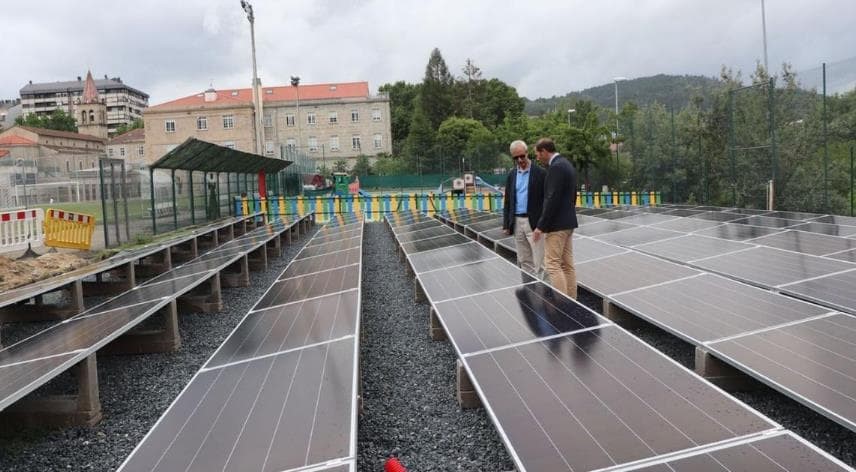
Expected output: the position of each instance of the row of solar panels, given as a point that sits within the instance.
(280, 393)
(32, 362)
(569, 390)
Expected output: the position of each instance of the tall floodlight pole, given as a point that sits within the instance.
(295, 82)
(764, 31)
(256, 98)
(617, 152)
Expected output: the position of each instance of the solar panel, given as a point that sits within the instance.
(648, 219)
(449, 256)
(151, 292)
(300, 406)
(601, 398)
(615, 214)
(440, 230)
(309, 286)
(207, 263)
(291, 326)
(708, 307)
(603, 227)
(17, 380)
(586, 249)
(638, 235)
(849, 256)
(400, 219)
(837, 290)
(591, 211)
(416, 227)
(810, 361)
(770, 267)
(627, 271)
(330, 238)
(748, 211)
(493, 234)
(512, 315)
(471, 279)
(737, 232)
(508, 243)
(825, 228)
(434, 243)
(716, 216)
(793, 215)
(322, 249)
(485, 225)
(782, 451)
(711, 208)
(587, 219)
(684, 212)
(686, 225)
(807, 243)
(836, 220)
(767, 221)
(475, 218)
(327, 261)
(691, 247)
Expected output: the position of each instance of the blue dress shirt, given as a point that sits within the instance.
(522, 184)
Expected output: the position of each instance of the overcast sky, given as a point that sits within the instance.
(170, 48)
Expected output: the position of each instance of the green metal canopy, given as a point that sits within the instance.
(196, 155)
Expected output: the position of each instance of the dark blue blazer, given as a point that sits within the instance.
(560, 197)
(534, 201)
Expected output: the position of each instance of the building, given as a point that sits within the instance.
(328, 122)
(129, 146)
(9, 110)
(124, 104)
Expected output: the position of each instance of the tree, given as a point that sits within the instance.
(387, 164)
(471, 81)
(340, 166)
(420, 141)
(466, 142)
(58, 120)
(362, 166)
(124, 128)
(401, 97)
(437, 92)
(496, 101)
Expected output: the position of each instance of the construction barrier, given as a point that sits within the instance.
(373, 207)
(20, 229)
(68, 230)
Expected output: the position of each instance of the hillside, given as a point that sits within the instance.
(675, 90)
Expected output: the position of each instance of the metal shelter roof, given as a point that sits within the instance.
(196, 155)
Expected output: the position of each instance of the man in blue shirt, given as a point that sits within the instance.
(523, 200)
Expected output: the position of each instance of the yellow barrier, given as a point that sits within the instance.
(68, 230)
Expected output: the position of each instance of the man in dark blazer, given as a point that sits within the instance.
(524, 197)
(558, 217)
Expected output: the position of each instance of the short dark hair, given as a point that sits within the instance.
(545, 144)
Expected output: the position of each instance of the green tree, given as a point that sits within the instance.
(124, 128)
(362, 166)
(466, 142)
(401, 100)
(437, 90)
(58, 120)
(387, 164)
(419, 147)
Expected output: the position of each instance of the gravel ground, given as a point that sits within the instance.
(409, 404)
(135, 390)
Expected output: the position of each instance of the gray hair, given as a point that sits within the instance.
(518, 144)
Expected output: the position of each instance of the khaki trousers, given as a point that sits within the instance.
(530, 255)
(559, 261)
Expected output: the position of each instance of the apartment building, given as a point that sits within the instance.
(328, 122)
(130, 146)
(124, 103)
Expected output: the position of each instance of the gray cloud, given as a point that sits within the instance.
(171, 49)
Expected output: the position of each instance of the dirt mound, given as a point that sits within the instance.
(14, 273)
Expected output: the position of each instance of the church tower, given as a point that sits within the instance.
(91, 113)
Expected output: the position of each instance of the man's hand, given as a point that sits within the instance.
(536, 235)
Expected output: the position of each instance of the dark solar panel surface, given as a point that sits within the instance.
(401, 219)
(782, 452)
(440, 230)
(17, 380)
(434, 243)
(736, 232)
(647, 219)
(471, 279)
(709, 307)
(319, 240)
(627, 272)
(837, 290)
(825, 228)
(770, 267)
(148, 293)
(601, 398)
(587, 219)
(615, 214)
(322, 249)
(289, 327)
(767, 221)
(717, 216)
(475, 218)
(450, 256)
(494, 234)
(586, 249)
(686, 225)
(329, 261)
(210, 263)
(849, 256)
(684, 212)
(508, 243)
(691, 247)
(747, 211)
(837, 220)
(299, 405)
(416, 227)
(512, 315)
(312, 285)
(639, 235)
(485, 225)
(591, 211)
(793, 215)
(811, 361)
(602, 227)
(807, 243)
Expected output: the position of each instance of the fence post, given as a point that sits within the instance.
(152, 194)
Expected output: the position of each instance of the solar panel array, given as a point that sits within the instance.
(280, 393)
(569, 390)
(32, 362)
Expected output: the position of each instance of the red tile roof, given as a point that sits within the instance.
(138, 134)
(3, 153)
(15, 140)
(62, 134)
(271, 94)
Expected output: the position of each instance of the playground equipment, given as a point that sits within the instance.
(468, 184)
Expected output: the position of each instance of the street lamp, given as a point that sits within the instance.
(295, 82)
(256, 98)
(617, 147)
(570, 110)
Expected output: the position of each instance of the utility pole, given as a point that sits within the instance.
(256, 94)
(764, 31)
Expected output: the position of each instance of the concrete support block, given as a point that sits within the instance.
(419, 292)
(226, 233)
(61, 411)
(465, 391)
(236, 274)
(40, 311)
(123, 278)
(165, 339)
(239, 227)
(206, 242)
(721, 374)
(185, 251)
(435, 328)
(274, 248)
(621, 316)
(206, 298)
(258, 259)
(285, 238)
(155, 264)
(295, 230)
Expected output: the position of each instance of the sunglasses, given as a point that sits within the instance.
(518, 157)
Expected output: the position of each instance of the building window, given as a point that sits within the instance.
(229, 144)
(313, 144)
(355, 116)
(310, 118)
(109, 152)
(268, 121)
(355, 143)
(378, 141)
(375, 114)
(289, 120)
(202, 123)
(169, 126)
(122, 151)
(334, 143)
(141, 150)
(269, 148)
(334, 117)
(228, 121)
(291, 144)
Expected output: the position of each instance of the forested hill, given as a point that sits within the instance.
(675, 90)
